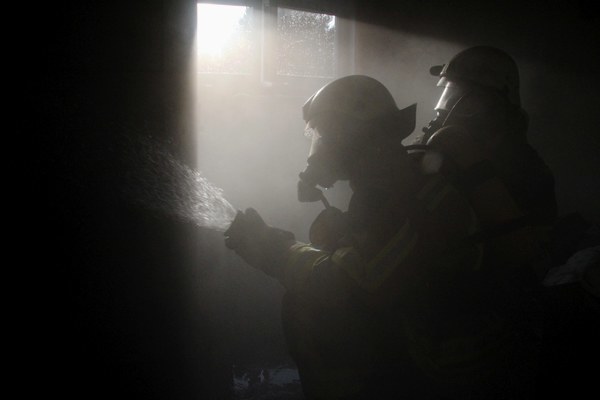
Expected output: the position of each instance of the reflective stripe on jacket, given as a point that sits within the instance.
(436, 197)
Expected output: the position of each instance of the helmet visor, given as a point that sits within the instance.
(450, 96)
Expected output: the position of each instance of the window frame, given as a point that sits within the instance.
(264, 66)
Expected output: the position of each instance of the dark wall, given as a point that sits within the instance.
(124, 300)
(134, 301)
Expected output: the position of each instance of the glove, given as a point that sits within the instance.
(260, 245)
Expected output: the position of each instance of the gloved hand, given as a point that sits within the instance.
(260, 245)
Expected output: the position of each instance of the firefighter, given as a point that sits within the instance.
(480, 111)
(392, 301)
(511, 189)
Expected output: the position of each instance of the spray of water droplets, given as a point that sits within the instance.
(159, 181)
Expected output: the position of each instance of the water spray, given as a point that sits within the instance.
(159, 181)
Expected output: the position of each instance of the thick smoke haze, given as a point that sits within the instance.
(129, 287)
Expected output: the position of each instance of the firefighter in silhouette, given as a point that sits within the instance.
(480, 111)
(391, 299)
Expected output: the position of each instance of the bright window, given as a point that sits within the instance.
(264, 40)
(225, 39)
(305, 43)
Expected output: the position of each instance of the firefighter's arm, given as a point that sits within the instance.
(275, 251)
(347, 266)
(377, 259)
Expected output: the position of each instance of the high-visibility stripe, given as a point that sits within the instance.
(381, 272)
(390, 257)
(429, 186)
(370, 276)
(348, 259)
(301, 261)
(393, 243)
(437, 197)
(433, 192)
(301, 253)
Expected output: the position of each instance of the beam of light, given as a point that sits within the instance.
(217, 25)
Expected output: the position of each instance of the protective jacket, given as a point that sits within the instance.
(404, 306)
